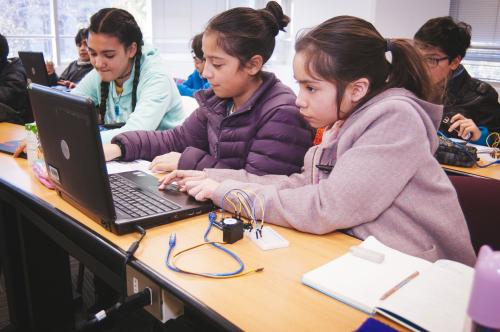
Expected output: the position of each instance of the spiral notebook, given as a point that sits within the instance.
(435, 300)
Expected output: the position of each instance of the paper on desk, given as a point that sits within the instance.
(127, 166)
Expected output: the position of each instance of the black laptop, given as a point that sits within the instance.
(34, 64)
(71, 143)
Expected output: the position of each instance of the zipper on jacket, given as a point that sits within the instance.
(312, 166)
(220, 132)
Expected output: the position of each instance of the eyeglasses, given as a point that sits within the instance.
(433, 62)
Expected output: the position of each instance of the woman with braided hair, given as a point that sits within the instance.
(128, 84)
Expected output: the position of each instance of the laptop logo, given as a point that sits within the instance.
(33, 71)
(65, 149)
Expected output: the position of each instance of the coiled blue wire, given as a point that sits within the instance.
(211, 220)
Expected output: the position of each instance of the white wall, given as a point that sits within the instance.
(402, 18)
(393, 18)
(307, 13)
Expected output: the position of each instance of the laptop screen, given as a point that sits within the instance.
(72, 148)
(34, 64)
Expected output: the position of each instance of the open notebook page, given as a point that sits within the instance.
(359, 282)
(437, 299)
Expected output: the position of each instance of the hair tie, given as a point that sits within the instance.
(389, 45)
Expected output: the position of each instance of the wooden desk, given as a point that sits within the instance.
(491, 172)
(273, 300)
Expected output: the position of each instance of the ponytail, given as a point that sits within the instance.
(104, 101)
(408, 70)
(137, 73)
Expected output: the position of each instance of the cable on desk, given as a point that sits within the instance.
(170, 259)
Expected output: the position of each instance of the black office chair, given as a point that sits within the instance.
(478, 198)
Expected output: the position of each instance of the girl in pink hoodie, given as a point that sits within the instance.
(374, 172)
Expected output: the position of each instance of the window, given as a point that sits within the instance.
(50, 26)
(483, 57)
(23, 33)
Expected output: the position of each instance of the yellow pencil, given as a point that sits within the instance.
(398, 286)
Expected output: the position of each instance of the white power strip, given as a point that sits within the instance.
(270, 239)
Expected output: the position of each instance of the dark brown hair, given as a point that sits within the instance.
(196, 44)
(345, 48)
(81, 35)
(245, 32)
(120, 24)
(453, 38)
(4, 49)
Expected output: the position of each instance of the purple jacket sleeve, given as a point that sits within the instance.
(279, 146)
(198, 159)
(147, 145)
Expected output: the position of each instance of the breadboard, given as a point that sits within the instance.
(270, 239)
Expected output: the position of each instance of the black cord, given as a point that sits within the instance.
(128, 256)
(135, 245)
(125, 303)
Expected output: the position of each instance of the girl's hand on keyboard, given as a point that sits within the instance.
(180, 177)
(201, 190)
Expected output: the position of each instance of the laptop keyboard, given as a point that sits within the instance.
(135, 202)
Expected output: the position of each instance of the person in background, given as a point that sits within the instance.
(246, 120)
(14, 100)
(374, 173)
(468, 102)
(77, 69)
(195, 81)
(128, 83)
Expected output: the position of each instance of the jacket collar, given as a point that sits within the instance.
(459, 77)
(208, 98)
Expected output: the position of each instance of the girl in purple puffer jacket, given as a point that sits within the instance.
(247, 120)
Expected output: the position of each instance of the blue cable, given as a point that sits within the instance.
(212, 219)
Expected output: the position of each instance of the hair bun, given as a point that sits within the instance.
(277, 12)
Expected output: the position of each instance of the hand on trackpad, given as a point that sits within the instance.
(172, 187)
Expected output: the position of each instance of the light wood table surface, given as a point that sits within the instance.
(490, 172)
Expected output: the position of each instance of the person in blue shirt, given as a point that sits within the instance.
(128, 84)
(195, 81)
